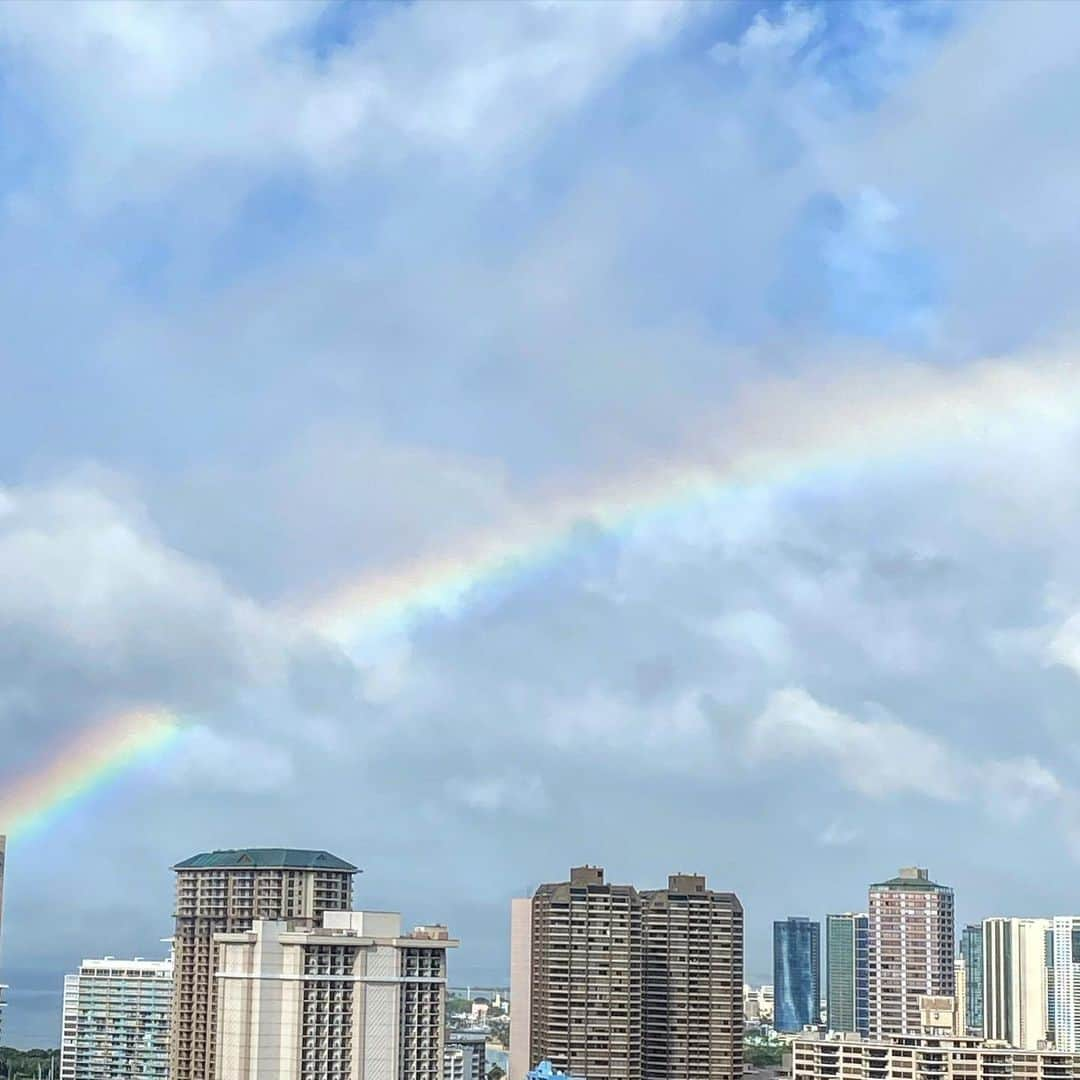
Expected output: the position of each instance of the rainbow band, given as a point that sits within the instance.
(789, 436)
(88, 761)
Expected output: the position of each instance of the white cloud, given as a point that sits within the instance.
(211, 762)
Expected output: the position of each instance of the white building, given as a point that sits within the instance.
(1015, 990)
(466, 1055)
(116, 1020)
(815, 1056)
(356, 999)
(1064, 958)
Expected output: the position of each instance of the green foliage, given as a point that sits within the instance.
(458, 1005)
(24, 1064)
(758, 1053)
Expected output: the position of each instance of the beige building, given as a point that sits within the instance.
(910, 947)
(613, 984)
(815, 1056)
(355, 999)
(223, 892)
(3, 853)
(1015, 989)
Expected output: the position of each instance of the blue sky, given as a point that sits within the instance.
(293, 294)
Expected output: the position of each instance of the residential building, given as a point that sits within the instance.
(221, 892)
(693, 1017)
(796, 973)
(971, 949)
(910, 945)
(847, 989)
(465, 1057)
(817, 1056)
(352, 999)
(615, 984)
(1015, 991)
(583, 991)
(1064, 956)
(116, 1020)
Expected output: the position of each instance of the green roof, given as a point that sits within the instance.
(265, 858)
(911, 884)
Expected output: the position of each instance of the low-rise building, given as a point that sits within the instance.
(465, 1057)
(819, 1056)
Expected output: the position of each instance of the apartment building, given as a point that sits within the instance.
(465, 1057)
(615, 984)
(221, 892)
(116, 1020)
(3, 853)
(1015, 988)
(815, 1056)
(693, 1015)
(910, 943)
(353, 999)
(1063, 958)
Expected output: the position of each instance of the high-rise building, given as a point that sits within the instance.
(1065, 982)
(465, 1057)
(796, 973)
(960, 1004)
(615, 984)
(354, 999)
(585, 967)
(847, 991)
(910, 947)
(693, 1018)
(1015, 991)
(816, 1056)
(116, 1020)
(971, 949)
(222, 892)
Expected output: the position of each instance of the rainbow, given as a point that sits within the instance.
(783, 436)
(87, 762)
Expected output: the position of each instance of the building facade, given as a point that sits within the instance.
(354, 999)
(971, 949)
(1015, 989)
(1064, 981)
(910, 950)
(465, 1057)
(847, 987)
(693, 1016)
(796, 974)
(116, 1020)
(223, 892)
(3, 855)
(819, 1057)
(615, 984)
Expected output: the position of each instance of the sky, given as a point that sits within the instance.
(742, 334)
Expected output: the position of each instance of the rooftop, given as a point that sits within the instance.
(911, 878)
(265, 858)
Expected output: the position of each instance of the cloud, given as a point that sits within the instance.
(879, 757)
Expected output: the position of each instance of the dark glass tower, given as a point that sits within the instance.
(971, 949)
(796, 973)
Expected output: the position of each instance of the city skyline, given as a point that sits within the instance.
(482, 438)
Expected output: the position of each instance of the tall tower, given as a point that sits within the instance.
(1015, 990)
(1065, 958)
(223, 892)
(615, 984)
(586, 977)
(3, 853)
(693, 1013)
(971, 949)
(847, 994)
(796, 974)
(909, 950)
